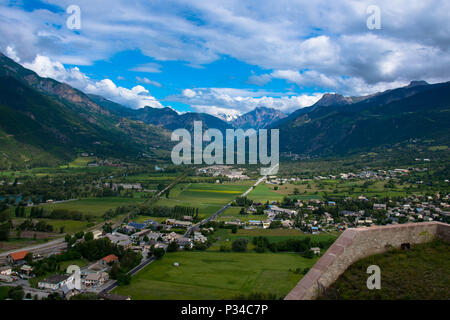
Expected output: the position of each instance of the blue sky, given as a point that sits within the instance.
(228, 57)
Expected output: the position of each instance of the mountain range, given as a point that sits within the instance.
(338, 126)
(46, 122)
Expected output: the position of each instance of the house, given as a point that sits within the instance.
(6, 278)
(316, 250)
(178, 223)
(141, 234)
(314, 230)
(154, 236)
(251, 209)
(236, 222)
(97, 234)
(96, 279)
(287, 224)
(255, 222)
(120, 240)
(128, 229)
(161, 245)
(5, 270)
(185, 242)
(17, 257)
(379, 206)
(137, 226)
(68, 291)
(198, 237)
(26, 269)
(109, 259)
(187, 218)
(151, 222)
(266, 224)
(277, 210)
(56, 281)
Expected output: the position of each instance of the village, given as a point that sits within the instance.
(148, 240)
(311, 217)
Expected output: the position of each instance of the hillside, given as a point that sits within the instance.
(419, 273)
(414, 112)
(45, 122)
(259, 118)
(164, 117)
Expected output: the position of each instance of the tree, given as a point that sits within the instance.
(239, 245)
(115, 271)
(308, 254)
(16, 293)
(172, 247)
(107, 228)
(4, 231)
(88, 236)
(124, 279)
(158, 253)
(29, 258)
(79, 235)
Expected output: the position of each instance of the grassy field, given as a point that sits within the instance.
(81, 162)
(80, 262)
(93, 206)
(421, 273)
(317, 189)
(225, 236)
(208, 197)
(263, 193)
(216, 275)
(233, 213)
(4, 293)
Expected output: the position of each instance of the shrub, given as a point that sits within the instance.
(239, 245)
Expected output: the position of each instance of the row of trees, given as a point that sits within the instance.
(134, 210)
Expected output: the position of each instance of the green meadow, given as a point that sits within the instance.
(233, 213)
(216, 275)
(263, 193)
(93, 206)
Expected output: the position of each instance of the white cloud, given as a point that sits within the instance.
(189, 93)
(10, 52)
(136, 97)
(148, 67)
(232, 102)
(329, 38)
(148, 81)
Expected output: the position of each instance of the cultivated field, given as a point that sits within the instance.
(216, 275)
(93, 206)
(208, 197)
(233, 213)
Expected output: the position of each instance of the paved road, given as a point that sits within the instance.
(172, 184)
(132, 272)
(196, 226)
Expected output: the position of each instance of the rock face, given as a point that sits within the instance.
(259, 118)
(333, 99)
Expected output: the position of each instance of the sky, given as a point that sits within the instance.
(228, 57)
